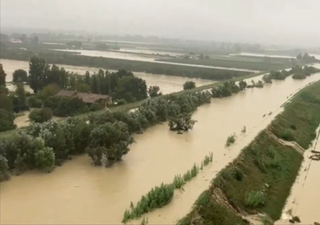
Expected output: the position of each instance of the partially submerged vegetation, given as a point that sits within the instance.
(230, 140)
(260, 179)
(162, 195)
(298, 72)
(105, 137)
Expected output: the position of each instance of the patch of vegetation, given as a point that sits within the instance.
(260, 179)
(231, 140)
(300, 118)
(189, 85)
(209, 211)
(162, 195)
(40, 115)
(255, 199)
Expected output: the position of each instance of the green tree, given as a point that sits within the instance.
(87, 78)
(19, 76)
(109, 142)
(154, 91)
(21, 94)
(6, 102)
(242, 85)
(6, 120)
(40, 115)
(37, 68)
(189, 85)
(2, 76)
(48, 91)
(131, 89)
(181, 122)
(94, 84)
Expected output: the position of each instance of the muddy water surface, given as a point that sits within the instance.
(167, 84)
(78, 193)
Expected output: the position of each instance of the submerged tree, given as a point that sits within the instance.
(154, 91)
(189, 85)
(181, 122)
(109, 142)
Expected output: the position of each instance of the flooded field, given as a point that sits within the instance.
(144, 58)
(148, 51)
(167, 84)
(79, 193)
(263, 55)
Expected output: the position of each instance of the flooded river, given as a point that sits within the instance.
(79, 193)
(167, 84)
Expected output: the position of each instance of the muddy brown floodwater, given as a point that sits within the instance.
(79, 193)
(167, 84)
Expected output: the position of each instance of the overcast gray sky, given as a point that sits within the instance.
(261, 21)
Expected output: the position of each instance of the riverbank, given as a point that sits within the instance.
(260, 179)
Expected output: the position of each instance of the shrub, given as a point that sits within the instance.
(238, 174)
(35, 102)
(156, 198)
(40, 115)
(286, 134)
(189, 85)
(178, 181)
(255, 199)
(44, 156)
(4, 169)
(95, 107)
(230, 140)
(6, 120)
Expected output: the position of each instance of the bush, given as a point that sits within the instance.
(40, 115)
(255, 199)
(6, 120)
(95, 107)
(230, 140)
(44, 156)
(286, 134)
(48, 91)
(156, 198)
(4, 169)
(19, 76)
(35, 102)
(189, 85)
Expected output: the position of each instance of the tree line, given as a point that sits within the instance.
(46, 81)
(105, 138)
(298, 72)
